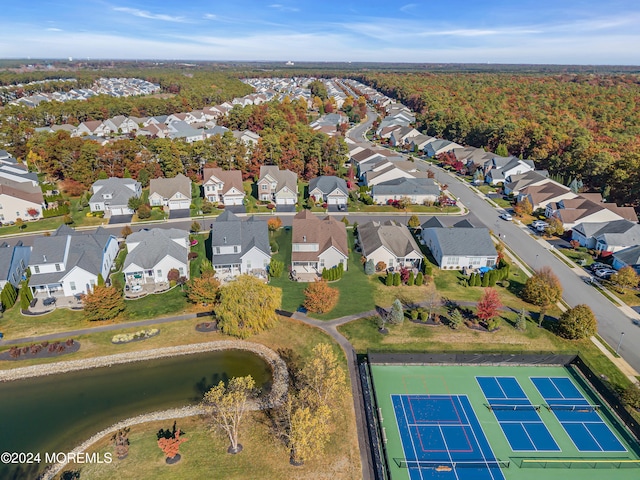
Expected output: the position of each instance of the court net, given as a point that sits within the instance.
(573, 408)
(450, 465)
(494, 406)
(582, 463)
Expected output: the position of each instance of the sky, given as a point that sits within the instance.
(421, 31)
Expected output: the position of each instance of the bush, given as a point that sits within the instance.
(274, 246)
(455, 319)
(396, 315)
(173, 275)
(389, 280)
(144, 211)
(493, 324)
(424, 315)
(396, 279)
(419, 279)
(192, 255)
(381, 266)
(276, 268)
(411, 280)
(56, 212)
(414, 314)
(333, 273)
(428, 268)
(577, 323)
(631, 396)
(320, 297)
(369, 267)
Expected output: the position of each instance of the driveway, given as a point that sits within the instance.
(236, 208)
(336, 209)
(286, 209)
(120, 219)
(182, 213)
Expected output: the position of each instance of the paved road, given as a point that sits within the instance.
(611, 320)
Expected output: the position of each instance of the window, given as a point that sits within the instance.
(220, 186)
(57, 267)
(453, 260)
(181, 270)
(36, 269)
(92, 283)
(248, 264)
(391, 262)
(218, 250)
(235, 249)
(264, 186)
(474, 261)
(72, 285)
(159, 273)
(21, 264)
(322, 262)
(0, 206)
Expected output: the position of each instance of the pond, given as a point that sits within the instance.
(56, 413)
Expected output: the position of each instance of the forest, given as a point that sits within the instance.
(575, 125)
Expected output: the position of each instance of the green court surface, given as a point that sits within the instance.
(567, 464)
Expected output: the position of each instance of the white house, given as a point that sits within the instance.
(389, 242)
(173, 193)
(69, 262)
(20, 200)
(462, 245)
(112, 195)
(330, 189)
(608, 237)
(317, 243)
(417, 190)
(239, 247)
(279, 186)
(223, 186)
(151, 254)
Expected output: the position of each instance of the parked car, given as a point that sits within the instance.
(605, 273)
(536, 223)
(598, 266)
(506, 216)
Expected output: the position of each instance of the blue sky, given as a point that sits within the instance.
(496, 31)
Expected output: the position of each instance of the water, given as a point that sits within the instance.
(55, 413)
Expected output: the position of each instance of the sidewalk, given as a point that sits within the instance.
(619, 362)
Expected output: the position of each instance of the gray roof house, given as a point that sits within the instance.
(389, 242)
(330, 189)
(607, 236)
(417, 190)
(112, 195)
(629, 257)
(69, 262)
(174, 193)
(462, 245)
(13, 263)
(279, 186)
(239, 247)
(151, 254)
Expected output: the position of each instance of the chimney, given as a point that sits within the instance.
(44, 258)
(224, 240)
(304, 238)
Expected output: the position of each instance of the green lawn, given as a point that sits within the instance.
(173, 301)
(361, 207)
(356, 289)
(202, 251)
(581, 258)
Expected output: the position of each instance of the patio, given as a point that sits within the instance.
(61, 301)
(304, 273)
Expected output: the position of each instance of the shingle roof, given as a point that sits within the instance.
(464, 241)
(168, 187)
(230, 178)
(407, 186)
(284, 178)
(390, 234)
(629, 256)
(327, 232)
(327, 184)
(154, 245)
(228, 229)
(118, 187)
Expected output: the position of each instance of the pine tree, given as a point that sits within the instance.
(485, 280)
(389, 280)
(419, 279)
(521, 321)
(396, 279)
(411, 280)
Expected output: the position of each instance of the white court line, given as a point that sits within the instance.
(413, 446)
(455, 470)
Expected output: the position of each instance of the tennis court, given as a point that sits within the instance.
(518, 417)
(441, 435)
(578, 417)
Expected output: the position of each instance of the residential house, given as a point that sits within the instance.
(460, 246)
(437, 147)
(69, 262)
(278, 186)
(629, 257)
(573, 211)
(92, 127)
(545, 193)
(386, 132)
(391, 170)
(223, 186)
(515, 183)
(389, 242)
(172, 193)
(183, 131)
(329, 189)
(317, 244)
(607, 237)
(417, 190)
(120, 124)
(472, 155)
(247, 137)
(151, 254)
(330, 119)
(402, 136)
(112, 195)
(498, 170)
(20, 200)
(239, 247)
(420, 142)
(13, 263)
(365, 159)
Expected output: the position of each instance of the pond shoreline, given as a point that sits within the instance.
(275, 397)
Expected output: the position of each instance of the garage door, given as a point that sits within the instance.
(234, 201)
(287, 201)
(332, 201)
(179, 204)
(118, 211)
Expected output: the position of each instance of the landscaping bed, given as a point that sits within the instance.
(134, 337)
(207, 327)
(41, 350)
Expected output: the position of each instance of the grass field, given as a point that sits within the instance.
(460, 380)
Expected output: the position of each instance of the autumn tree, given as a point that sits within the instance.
(523, 207)
(225, 407)
(543, 289)
(126, 231)
(206, 268)
(247, 306)
(577, 323)
(555, 227)
(195, 227)
(489, 305)
(432, 297)
(414, 221)
(102, 303)
(203, 289)
(308, 430)
(274, 223)
(323, 376)
(626, 277)
(319, 297)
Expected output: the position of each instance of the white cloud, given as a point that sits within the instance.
(53, 29)
(283, 8)
(472, 32)
(408, 7)
(210, 16)
(152, 16)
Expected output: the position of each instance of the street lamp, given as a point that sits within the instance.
(535, 263)
(620, 342)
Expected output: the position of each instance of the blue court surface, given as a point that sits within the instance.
(517, 416)
(442, 439)
(579, 419)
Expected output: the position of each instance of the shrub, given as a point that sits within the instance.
(455, 319)
(173, 275)
(381, 266)
(396, 279)
(424, 315)
(192, 255)
(396, 315)
(276, 267)
(411, 280)
(274, 246)
(631, 396)
(419, 279)
(369, 267)
(428, 268)
(144, 211)
(389, 280)
(493, 324)
(577, 323)
(521, 321)
(320, 297)
(414, 314)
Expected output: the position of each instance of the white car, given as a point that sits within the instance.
(539, 225)
(506, 216)
(604, 273)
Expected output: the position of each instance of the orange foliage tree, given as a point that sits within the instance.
(320, 297)
(170, 441)
(274, 224)
(488, 305)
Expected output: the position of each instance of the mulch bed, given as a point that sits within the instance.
(207, 327)
(41, 350)
(137, 339)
